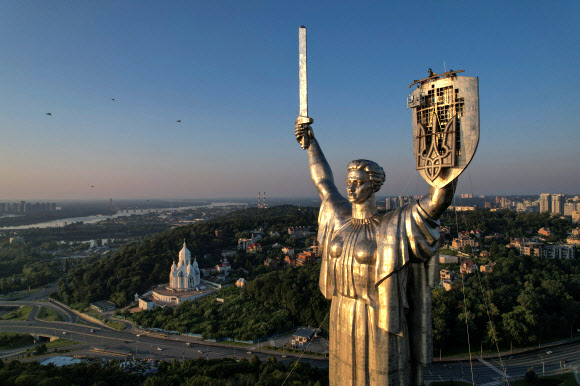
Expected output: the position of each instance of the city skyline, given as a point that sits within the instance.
(117, 78)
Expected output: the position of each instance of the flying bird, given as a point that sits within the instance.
(48, 113)
(179, 120)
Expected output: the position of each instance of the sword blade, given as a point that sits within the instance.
(302, 77)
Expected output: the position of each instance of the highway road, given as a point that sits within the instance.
(66, 314)
(142, 346)
(486, 371)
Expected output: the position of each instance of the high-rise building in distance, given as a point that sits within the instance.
(545, 203)
(569, 208)
(558, 203)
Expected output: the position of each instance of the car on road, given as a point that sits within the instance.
(549, 352)
(93, 330)
(249, 352)
(138, 335)
(126, 342)
(199, 351)
(188, 344)
(64, 332)
(159, 349)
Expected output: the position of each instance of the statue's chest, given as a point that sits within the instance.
(352, 253)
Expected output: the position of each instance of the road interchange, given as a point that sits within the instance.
(96, 340)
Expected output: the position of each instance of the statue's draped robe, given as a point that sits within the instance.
(378, 273)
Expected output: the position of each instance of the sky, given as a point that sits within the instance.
(229, 71)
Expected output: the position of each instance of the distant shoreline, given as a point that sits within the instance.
(92, 217)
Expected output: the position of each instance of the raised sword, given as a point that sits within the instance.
(303, 82)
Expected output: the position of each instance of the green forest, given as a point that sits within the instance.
(217, 372)
(272, 303)
(506, 223)
(137, 267)
(525, 301)
(21, 267)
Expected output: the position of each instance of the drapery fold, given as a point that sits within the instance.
(376, 336)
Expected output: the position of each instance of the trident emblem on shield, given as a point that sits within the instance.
(436, 150)
(445, 113)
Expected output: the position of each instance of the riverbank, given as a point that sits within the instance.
(91, 216)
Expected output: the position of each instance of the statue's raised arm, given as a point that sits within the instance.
(319, 168)
(438, 199)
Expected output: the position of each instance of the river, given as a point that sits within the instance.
(100, 217)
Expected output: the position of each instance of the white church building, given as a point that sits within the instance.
(184, 283)
(184, 276)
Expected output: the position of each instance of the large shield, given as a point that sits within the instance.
(445, 126)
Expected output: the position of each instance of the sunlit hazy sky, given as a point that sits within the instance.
(229, 71)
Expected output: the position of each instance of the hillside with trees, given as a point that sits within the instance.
(137, 267)
(525, 301)
(506, 223)
(22, 267)
(271, 303)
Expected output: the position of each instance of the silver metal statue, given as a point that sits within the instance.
(378, 270)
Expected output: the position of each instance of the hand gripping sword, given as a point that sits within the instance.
(303, 84)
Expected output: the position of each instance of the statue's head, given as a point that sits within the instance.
(364, 178)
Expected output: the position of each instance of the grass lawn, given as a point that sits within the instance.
(20, 295)
(56, 344)
(94, 314)
(10, 340)
(60, 342)
(49, 314)
(116, 325)
(20, 314)
(241, 344)
(289, 350)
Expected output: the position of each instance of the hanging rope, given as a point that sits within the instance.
(503, 369)
(463, 290)
(467, 328)
(485, 297)
(303, 351)
(407, 185)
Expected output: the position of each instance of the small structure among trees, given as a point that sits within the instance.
(468, 266)
(103, 306)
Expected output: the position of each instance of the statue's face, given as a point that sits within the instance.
(358, 186)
